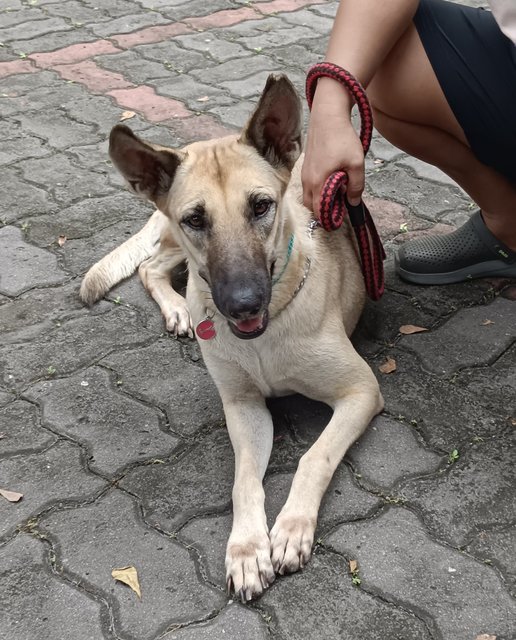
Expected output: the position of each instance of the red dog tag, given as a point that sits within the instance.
(205, 330)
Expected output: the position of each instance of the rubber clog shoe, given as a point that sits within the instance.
(471, 251)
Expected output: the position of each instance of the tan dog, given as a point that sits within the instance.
(277, 299)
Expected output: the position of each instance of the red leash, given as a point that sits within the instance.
(334, 206)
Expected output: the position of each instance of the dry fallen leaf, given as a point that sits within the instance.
(407, 329)
(61, 240)
(513, 422)
(3, 435)
(353, 566)
(203, 99)
(126, 115)
(128, 576)
(485, 636)
(486, 322)
(388, 366)
(12, 496)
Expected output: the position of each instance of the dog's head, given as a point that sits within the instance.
(223, 198)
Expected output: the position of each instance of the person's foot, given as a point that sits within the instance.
(471, 251)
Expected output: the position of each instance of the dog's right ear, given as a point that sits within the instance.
(148, 171)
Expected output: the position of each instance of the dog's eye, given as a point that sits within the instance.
(195, 221)
(260, 207)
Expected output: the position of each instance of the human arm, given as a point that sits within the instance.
(363, 33)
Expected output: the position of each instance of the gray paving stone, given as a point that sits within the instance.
(55, 127)
(160, 374)
(133, 66)
(234, 115)
(174, 58)
(35, 603)
(74, 345)
(497, 547)
(21, 430)
(100, 112)
(21, 146)
(24, 266)
(75, 12)
(494, 386)
(464, 341)
(321, 602)
(427, 199)
(53, 477)
(172, 592)
(197, 96)
(210, 45)
(30, 29)
(40, 310)
(228, 71)
(475, 493)
(38, 101)
(127, 24)
(6, 398)
(446, 414)
(200, 481)
(458, 597)
(388, 452)
(10, 18)
(250, 87)
(65, 181)
(53, 40)
(79, 255)
(382, 320)
(116, 429)
(428, 172)
(235, 621)
(20, 199)
(87, 216)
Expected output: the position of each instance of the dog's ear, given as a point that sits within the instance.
(274, 129)
(148, 171)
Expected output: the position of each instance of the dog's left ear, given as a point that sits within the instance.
(274, 129)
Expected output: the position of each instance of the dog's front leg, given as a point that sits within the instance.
(293, 532)
(248, 563)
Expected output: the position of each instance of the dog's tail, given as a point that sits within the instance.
(122, 261)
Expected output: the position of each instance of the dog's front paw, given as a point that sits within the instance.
(291, 542)
(248, 566)
(178, 320)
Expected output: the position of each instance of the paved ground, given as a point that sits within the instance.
(113, 431)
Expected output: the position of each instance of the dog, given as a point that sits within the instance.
(273, 299)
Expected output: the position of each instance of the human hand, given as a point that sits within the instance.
(332, 145)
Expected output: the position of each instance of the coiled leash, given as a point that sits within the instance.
(334, 205)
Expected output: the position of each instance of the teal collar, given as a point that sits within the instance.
(287, 260)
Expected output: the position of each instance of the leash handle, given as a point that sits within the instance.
(333, 204)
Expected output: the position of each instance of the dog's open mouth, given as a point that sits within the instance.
(250, 328)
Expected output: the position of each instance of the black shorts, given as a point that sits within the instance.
(475, 64)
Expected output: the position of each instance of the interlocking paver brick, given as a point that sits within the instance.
(21, 199)
(53, 477)
(497, 548)
(159, 374)
(458, 597)
(89, 215)
(88, 408)
(214, 47)
(35, 603)
(55, 128)
(21, 146)
(233, 622)
(32, 29)
(172, 591)
(475, 493)
(173, 492)
(502, 383)
(388, 452)
(70, 346)
(127, 23)
(446, 414)
(24, 266)
(21, 430)
(472, 338)
(341, 610)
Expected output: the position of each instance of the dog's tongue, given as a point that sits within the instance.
(248, 326)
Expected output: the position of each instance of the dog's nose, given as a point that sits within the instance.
(244, 302)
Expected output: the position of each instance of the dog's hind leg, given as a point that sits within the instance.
(293, 532)
(248, 563)
(155, 274)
